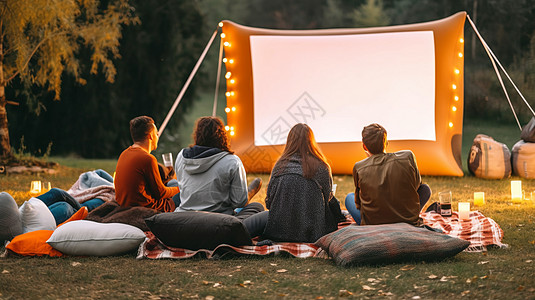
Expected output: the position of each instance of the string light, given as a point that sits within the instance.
(220, 24)
(232, 133)
(461, 40)
(231, 128)
(460, 54)
(453, 86)
(223, 35)
(232, 81)
(232, 93)
(456, 98)
(231, 61)
(227, 76)
(454, 108)
(457, 71)
(227, 44)
(225, 60)
(450, 124)
(227, 128)
(233, 108)
(227, 109)
(227, 94)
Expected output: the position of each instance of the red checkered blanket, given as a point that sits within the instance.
(479, 230)
(153, 248)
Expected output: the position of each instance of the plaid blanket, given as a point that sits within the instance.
(479, 230)
(154, 249)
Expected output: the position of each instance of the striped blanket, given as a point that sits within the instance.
(479, 230)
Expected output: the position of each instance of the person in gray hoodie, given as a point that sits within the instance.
(211, 178)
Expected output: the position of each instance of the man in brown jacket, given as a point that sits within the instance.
(388, 186)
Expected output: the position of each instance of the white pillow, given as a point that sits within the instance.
(35, 215)
(84, 237)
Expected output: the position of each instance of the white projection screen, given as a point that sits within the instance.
(342, 78)
(408, 78)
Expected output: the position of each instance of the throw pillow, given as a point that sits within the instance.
(33, 244)
(35, 215)
(388, 243)
(10, 221)
(196, 230)
(96, 239)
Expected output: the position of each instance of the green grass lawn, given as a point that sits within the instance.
(496, 274)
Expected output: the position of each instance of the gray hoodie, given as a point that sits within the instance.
(210, 180)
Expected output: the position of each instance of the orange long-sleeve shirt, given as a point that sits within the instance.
(138, 182)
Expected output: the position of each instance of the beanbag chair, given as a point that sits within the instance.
(95, 239)
(33, 244)
(528, 131)
(388, 243)
(489, 159)
(524, 159)
(10, 221)
(35, 215)
(196, 230)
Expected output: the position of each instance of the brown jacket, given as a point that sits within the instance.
(386, 187)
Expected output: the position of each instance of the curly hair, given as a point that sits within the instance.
(210, 132)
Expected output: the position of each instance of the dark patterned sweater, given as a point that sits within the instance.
(298, 207)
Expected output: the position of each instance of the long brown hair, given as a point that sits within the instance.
(301, 141)
(210, 132)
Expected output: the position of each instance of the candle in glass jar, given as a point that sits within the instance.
(35, 187)
(516, 190)
(464, 210)
(479, 198)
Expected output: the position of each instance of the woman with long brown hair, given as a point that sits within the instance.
(301, 204)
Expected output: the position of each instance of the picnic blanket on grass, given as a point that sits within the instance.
(154, 249)
(479, 230)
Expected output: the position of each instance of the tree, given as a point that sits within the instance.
(40, 40)
(370, 14)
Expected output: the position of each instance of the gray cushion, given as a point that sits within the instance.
(10, 220)
(388, 243)
(196, 230)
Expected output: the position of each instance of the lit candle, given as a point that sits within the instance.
(516, 190)
(479, 198)
(35, 187)
(464, 210)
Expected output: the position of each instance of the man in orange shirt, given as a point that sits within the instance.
(137, 178)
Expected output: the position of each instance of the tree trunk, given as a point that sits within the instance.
(5, 147)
